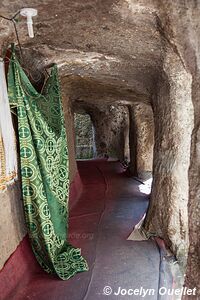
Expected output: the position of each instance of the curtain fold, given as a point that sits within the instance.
(44, 170)
(8, 155)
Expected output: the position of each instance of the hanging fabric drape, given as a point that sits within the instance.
(8, 156)
(44, 170)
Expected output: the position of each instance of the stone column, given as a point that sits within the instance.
(141, 140)
(173, 114)
(192, 279)
(132, 142)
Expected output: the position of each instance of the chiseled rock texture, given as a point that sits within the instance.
(141, 140)
(130, 53)
(111, 131)
(111, 128)
(12, 227)
(168, 214)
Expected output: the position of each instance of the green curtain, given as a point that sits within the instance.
(44, 170)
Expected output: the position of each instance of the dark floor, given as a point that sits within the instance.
(110, 206)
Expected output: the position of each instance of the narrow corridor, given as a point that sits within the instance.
(100, 223)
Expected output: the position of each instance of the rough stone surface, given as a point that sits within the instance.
(109, 56)
(84, 135)
(141, 140)
(168, 213)
(182, 29)
(12, 227)
(111, 129)
(124, 52)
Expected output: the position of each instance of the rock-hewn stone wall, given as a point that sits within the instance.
(111, 126)
(141, 140)
(182, 29)
(113, 51)
(85, 146)
(173, 114)
(12, 227)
